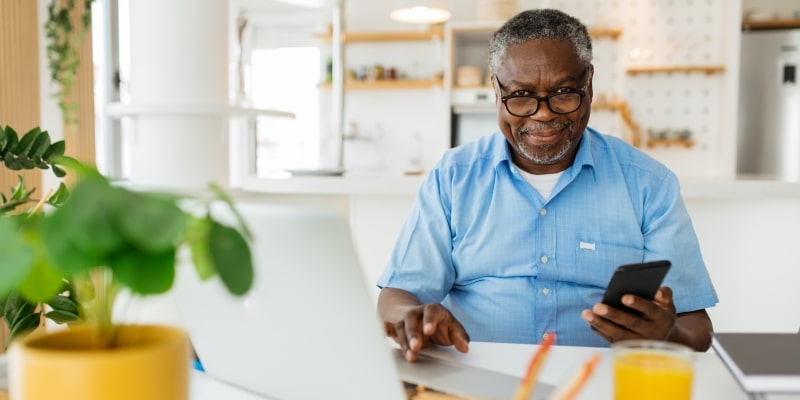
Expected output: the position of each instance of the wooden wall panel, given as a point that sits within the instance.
(80, 137)
(19, 77)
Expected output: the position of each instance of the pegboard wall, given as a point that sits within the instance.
(673, 65)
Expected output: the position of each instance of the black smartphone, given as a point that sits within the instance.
(641, 279)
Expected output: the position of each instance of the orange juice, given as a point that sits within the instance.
(652, 373)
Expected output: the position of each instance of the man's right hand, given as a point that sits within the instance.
(423, 325)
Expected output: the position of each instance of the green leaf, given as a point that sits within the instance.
(59, 196)
(63, 254)
(26, 163)
(229, 201)
(18, 257)
(11, 142)
(19, 192)
(41, 283)
(40, 146)
(153, 224)
(230, 254)
(13, 163)
(27, 323)
(59, 172)
(3, 300)
(62, 317)
(196, 237)
(13, 301)
(21, 310)
(63, 303)
(54, 151)
(26, 142)
(144, 273)
(90, 218)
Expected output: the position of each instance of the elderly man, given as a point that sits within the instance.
(515, 235)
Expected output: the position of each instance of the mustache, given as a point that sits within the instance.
(538, 126)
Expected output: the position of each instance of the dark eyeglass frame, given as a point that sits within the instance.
(546, 99)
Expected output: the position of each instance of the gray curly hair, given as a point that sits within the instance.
(539, 24)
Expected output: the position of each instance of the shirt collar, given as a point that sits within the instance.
(582, 158)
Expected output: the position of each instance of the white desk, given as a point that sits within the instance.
(712, 379)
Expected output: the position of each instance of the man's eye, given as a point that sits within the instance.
(565, 90)
(521, 93)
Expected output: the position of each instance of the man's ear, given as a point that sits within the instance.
(493, 81)
(589, 80)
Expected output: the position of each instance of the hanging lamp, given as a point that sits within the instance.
(420, 11)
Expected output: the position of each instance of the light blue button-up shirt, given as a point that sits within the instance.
(511, 265)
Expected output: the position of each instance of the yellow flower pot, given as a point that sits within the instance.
(148, 362)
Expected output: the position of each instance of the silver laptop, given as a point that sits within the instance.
(308, 329)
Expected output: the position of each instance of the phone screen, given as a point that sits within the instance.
(641, 279)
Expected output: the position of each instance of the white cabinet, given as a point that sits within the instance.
(471, 108)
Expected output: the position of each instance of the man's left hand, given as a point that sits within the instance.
(656, 322)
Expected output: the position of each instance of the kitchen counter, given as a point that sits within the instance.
(402, 184)
(349, 183)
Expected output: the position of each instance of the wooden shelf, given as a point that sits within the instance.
(389, 84)
(622, 108)
(609, 106)
(653, 143)
(387, 36)
(771, 24)
(707, 69)
(612, 33)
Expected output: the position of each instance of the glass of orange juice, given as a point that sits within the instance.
(653, 370)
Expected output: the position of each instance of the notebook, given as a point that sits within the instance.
(761, 362)
(308, 329)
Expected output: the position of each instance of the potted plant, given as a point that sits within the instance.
(33, 150)
(105, 238)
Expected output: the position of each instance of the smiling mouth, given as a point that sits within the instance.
(543, 138)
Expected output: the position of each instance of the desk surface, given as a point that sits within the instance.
(712, 379)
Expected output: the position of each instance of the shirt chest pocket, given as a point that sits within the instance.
(595, 262)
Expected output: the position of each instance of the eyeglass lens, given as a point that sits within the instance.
(562, 103)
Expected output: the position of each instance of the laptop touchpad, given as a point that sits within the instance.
(463, 380)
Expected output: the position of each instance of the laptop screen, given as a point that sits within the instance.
(308, 328)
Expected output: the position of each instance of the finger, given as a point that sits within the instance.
(413, 330)
(664, 297)
(607, 328)
(432, 316)
(388, 327)
(622, 319)
(459, 337)
(400, 338)
(648, 308)
(590, 318)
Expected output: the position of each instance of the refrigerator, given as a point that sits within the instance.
(768, 142)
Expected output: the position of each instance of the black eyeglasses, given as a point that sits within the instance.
(565, 101)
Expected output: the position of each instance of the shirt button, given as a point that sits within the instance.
(544, 259)
(545, 291)
(543, 212)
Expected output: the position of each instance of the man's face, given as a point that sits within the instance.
(545, 142)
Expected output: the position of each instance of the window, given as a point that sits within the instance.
(286, 79)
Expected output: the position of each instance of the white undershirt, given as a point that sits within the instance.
(543, 184)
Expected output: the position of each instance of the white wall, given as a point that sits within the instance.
(750, 245)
